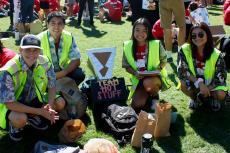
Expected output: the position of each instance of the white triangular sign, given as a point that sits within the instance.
(102, 61)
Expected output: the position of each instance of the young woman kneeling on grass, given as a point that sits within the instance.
(143, 54)
(201, 70)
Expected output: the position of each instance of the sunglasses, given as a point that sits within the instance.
(200, 35)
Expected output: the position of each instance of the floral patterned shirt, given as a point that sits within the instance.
(28, 94)
(184, 72)
(73, 54)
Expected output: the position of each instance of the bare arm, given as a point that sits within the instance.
(19, 107)
(51, 96)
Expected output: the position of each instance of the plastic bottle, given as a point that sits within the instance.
(17, 37)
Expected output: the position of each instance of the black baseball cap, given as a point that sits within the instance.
(30, 41)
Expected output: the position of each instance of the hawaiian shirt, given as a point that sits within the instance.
(220, 73)
(73, 54)
(28, 93)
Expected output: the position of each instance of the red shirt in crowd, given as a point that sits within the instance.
(5, 56)
(115, 9)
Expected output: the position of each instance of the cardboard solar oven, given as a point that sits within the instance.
(218, 33)
(105, 88)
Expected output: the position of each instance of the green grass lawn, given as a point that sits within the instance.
(205, 132)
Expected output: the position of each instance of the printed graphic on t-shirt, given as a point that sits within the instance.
(140, 62)
(200, 15)
(147, 5)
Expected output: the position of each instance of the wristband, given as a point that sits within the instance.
(196, 83)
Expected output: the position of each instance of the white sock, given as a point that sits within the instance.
(168, 53)
(153, 105)
(179, 48)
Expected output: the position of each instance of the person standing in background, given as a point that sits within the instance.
(148, 9)
(82, 4)
(168, 9)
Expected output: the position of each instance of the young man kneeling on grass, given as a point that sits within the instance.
(23, 84)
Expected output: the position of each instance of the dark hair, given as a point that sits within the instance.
(186, 4)
(145, 22)
(209, 46)
(193, 6)
(55, 14)
(1, 47)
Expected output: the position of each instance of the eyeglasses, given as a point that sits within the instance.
(200, 35)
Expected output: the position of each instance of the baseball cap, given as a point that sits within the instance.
(30, 41)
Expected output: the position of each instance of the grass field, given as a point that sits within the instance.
(205, 132)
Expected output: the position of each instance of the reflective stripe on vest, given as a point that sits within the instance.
(19, 78)
(210, 65)
(153, 62)
(67, 43)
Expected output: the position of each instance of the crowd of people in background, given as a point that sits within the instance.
(27, 80)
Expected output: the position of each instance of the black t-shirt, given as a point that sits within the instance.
(137, 12)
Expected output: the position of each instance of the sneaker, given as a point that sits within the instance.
(78, 24)
(170, 60)
(72, 18)
(92, 24)
(215, 105)
(15, 133)
(193, 104)
(37, 123)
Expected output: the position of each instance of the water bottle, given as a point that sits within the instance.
(146, 143)
(17, 32)
(17, 37)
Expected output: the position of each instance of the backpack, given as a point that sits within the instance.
(225, 49)
(120, 121)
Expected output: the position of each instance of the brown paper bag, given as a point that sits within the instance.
(73, 97)
(71, 131)
(163, 118)
(145, 124)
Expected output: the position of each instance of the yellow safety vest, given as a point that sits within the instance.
(67, 43)
(19, 79)
(210, 65)
(153, 62)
